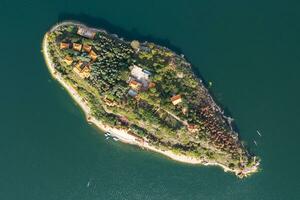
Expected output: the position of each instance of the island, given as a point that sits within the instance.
(144, 94)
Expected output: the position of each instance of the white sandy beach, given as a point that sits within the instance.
(121, 134)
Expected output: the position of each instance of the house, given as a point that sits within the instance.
(82, 69)
(135, 85)
(176, 99)
(132, 93)
(87, 48)
(86, 32)
(93, 55)
(77, 47)
(68, 60)
(64, 45)
(139, 73)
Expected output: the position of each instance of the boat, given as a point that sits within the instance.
(258, 133)
(255, 142)
(107, 134)
(116, 139)
(88, 184)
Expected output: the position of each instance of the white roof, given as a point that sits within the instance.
(139, 74)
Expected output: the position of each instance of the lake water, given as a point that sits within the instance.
(248, 49)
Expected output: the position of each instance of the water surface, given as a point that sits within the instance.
(248, 49)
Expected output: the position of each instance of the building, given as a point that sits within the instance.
(77, 47)
(64, 45)
(176, 99)
(68, 60)
(82, 69)
(93, 55)
(87, 48)
(86, 32)
(132, 93)
(135, 85)
(139, 73)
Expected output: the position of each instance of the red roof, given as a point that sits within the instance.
(176, 97)
(151, 85)
(133, 82)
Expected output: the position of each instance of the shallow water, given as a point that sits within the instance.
(248, 49)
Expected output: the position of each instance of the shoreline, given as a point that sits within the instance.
(123, 135)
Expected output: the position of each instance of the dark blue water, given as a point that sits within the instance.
(248, 49)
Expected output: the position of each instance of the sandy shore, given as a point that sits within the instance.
(119, 133)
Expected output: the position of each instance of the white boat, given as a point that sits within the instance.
(116, 139)
(88, 184)
(107, 134)
(255, 142)
(258, 133)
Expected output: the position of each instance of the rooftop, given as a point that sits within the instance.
(139, 73)
(132, 93)
(86, 32)
(176, 99)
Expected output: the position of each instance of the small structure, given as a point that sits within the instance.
(151, 85)
(132, 93)
(64, 45)
(184, 110)
(68, 60)
(77, 47)
(176, 99)
(135, 85)
(86, 32)
(180, 75)
(83, 70)
(93, 55)
(147, 72)
(87, 48)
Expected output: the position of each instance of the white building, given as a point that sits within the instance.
(139, 73)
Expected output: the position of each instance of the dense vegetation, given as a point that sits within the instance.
(195, 126)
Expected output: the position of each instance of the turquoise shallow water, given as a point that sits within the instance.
(248, 49)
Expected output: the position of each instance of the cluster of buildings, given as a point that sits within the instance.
(81, 68)
(139, 81)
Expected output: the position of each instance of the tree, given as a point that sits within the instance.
(135, 44)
